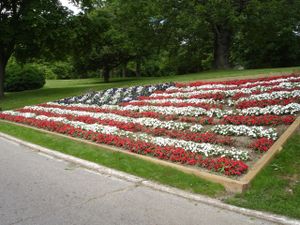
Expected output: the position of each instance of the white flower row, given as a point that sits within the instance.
(203, 148)
(242, 130)
(282, 81)
(171, 125)
(144, 121)
(172, 110)
(176, 100)
(229, 102)
(227, 93)
(271, 96)
(291, 108)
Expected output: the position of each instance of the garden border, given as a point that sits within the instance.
(231, 185)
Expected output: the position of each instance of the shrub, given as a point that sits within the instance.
(62, 70)
(49, 74)
(26, 77)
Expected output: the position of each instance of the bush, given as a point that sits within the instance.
(62, 70)
(26, 77)
(49, 74)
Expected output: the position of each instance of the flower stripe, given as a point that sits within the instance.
(291, 108)
(223, 165)
(272, 96)
(265, 103)
(203, 148)
(207, 137)
(243, 83)
(143, 121)
(154, 123)
(242, 130)
(258, 120)
(81, 107)
(226, 93)
(181, 104)
(251, 88)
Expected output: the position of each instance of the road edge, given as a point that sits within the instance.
(160, 187)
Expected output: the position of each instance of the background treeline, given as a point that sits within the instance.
(146, 38)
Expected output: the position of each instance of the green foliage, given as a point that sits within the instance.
(150, 38)
(32, 29)
(49, 74)
(56, 70)
(23, 77)
(62, 70)
(269, 35)
(101, 46)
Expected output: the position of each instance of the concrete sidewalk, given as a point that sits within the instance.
(36, 189)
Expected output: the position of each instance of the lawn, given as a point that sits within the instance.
(276, 188)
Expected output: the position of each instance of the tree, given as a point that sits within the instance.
(30, 29)
(97, 43)
(146, 25)
(269, 34)
(223, 17)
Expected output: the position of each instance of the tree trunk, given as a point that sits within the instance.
(3, 63)
(222, 44)
(138, 68)
(106, 72)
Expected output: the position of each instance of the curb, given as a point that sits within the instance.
(131, 178)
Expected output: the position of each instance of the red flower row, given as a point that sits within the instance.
(235, 82)
(265, 103)
(262, 144)
(133, 114)
(258, 120)
(237, 120)
(215, 96)
(181, 104)
(134, 127)
(223, 165)
(229, 88)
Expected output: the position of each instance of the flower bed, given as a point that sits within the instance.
(222, 127)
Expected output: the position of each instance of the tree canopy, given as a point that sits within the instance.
(158, 37)
(29, 29)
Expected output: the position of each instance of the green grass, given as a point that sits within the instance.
(57, 89)
(116, 160)
(277, 187)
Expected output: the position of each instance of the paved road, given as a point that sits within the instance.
(38, 190)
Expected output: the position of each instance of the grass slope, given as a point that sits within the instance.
(277, 187)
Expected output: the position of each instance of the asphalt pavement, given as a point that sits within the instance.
(36, 189)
